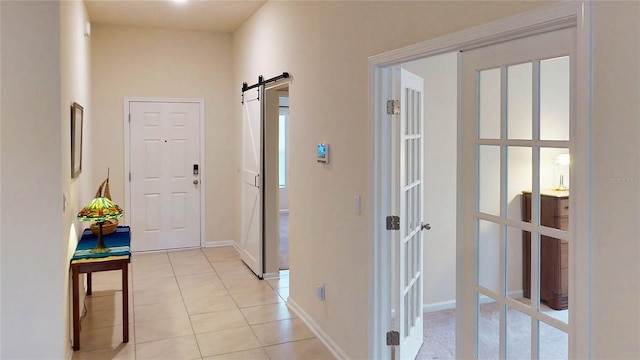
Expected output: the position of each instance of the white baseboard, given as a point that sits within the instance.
(164, 250)
(220, 243)
(439, 306)
(484, 299)
(451, 304)
(320, 334)
(269, 276)
(284, 211)
(516, 294)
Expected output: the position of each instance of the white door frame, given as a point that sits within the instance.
(127, 160)
(271, 201)
(562, 15)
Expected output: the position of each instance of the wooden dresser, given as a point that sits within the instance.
(554, 253)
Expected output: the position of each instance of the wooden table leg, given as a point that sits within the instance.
(76, 308)
(89, 283)
(125, 302)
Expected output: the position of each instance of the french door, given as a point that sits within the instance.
(516, 125)
(408, 190)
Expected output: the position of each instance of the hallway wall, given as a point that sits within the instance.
(147, 62)
(616, 180)
(32, 324)
(325, 46)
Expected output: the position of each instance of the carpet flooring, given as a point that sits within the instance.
(440, 335)
(283, 259)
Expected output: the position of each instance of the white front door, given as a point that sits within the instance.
(164, 188)
(251, 242)
(409, 189)
(516, 223)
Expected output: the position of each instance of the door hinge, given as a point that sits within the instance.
(393, 222)
(393, 107)
(129, 118)
(393, 338)
(129, 177)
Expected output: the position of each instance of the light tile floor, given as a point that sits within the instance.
(194, 304)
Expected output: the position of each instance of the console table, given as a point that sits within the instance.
(84, 262)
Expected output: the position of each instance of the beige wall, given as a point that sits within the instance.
(137, 62)
(74, 87)
(33, 310)
(325, 46)
(616, 180)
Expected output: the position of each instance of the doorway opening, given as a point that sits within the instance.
(276, 185)
(261, 180)
(283, 179)
(440, 74)
(439, 198)
(474, 276)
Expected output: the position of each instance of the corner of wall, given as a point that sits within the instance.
(74, 87)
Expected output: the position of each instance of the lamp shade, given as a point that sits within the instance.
(100, 209)
(563, 160)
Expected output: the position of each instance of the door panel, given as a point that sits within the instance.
(409, 247)
(165, 202)
(251, 243)
(515, 105)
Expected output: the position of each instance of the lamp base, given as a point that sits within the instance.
(561, 186)
(100, 248)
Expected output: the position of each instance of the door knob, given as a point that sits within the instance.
(195, 182)
(425, 226)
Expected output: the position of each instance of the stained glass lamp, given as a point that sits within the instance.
(99, 210)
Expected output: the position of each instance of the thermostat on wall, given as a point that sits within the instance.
(323, 153)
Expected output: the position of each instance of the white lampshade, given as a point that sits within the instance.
(563, 159)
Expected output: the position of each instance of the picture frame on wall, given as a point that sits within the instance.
(76, 139)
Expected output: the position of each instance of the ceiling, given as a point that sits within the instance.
(211, 15)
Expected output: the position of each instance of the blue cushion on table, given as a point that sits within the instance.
(119, 242)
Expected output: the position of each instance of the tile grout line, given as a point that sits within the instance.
(240, 309)
(133, 305)
(185, 304)
(228, 293)
(226, 287)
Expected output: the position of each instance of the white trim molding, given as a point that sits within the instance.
(567, 14)
(451, 304)
(439, 306)
(220, 243)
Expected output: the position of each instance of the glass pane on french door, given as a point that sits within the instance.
(522, 229)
